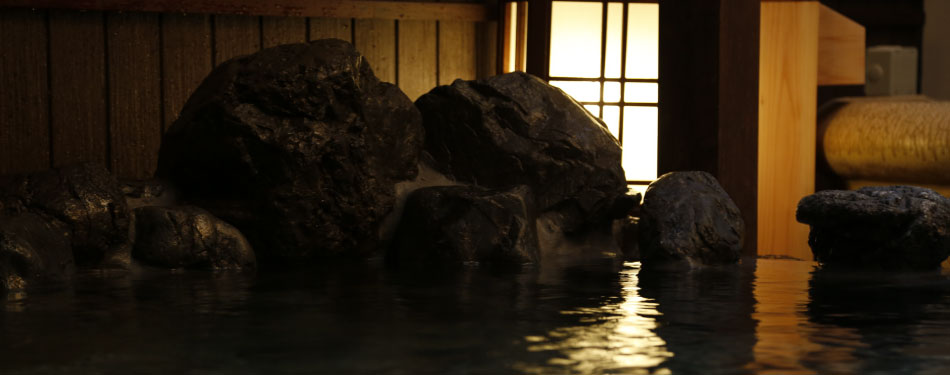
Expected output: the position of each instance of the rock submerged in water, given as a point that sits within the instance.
(515, 129)
(189, 237)
(33, 250)
(890, 227)
(299, 146)
(688, 216)
(84, 197)
(463, 224)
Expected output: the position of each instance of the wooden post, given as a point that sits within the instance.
(708, 96)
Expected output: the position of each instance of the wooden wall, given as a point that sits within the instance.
(81, 86)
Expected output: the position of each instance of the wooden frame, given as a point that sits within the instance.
(392, 10)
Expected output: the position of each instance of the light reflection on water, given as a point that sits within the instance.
(762, 317)
(621, 338)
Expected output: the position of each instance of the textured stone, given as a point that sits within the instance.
(464, 224)
(87, 198)
(878, 227)
(515, 129)
(688, 216)
(33, 250)
(299, 146)
(189, 237)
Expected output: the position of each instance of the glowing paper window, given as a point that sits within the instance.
(605, 55)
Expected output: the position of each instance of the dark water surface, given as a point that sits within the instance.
(763, 317)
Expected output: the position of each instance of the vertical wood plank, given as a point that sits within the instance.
(135, 108)
(235, 36)
(283, 30)
(186, 60)
(487, 52)
(457, 51)
(24, 96)
(78, 78)
(324, 28)
(417, 57)
(788, 69)
(376, 40)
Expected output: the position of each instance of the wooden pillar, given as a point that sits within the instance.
(708, 96)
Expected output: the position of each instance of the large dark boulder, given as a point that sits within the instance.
(514, 129)
(299, 146)
(33, 250)
(888, 227)
(87, 199)
(189, 237)
(688, 216)
(454, 225)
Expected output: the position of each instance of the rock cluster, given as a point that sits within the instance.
(688, 216)
(299, 146)
(890, 227)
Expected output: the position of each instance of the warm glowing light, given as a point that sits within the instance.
(640, 92)
(612, 119)
(512, 37)
(593, 109)
(643, 40)
(639, 142)
(582, 91)
(614, 40)
(575, 39)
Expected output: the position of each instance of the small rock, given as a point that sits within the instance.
(300, 146)
(463, 224)
(515, 129)
(149, 193)
(887, 227)
(688, 216)
(87, 198)
(189, 237)
(627, 231)
(33, 250)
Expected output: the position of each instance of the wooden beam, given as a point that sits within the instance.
(398, 10)
(841, 49)
(788, 70)
(708, 96)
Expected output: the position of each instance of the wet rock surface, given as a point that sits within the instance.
(514, 129)
(463, 224)
(87, 199)
(888, 227)
(189, 237)
(688, 216)
(299, 146)
(33, 250)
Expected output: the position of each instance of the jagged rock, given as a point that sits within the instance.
(514, 129)
(462, 224)
(33, 250)
(149, 193)
(688, 216)
(87, 198)
(299, 146)
(189, 237)
(879, 227)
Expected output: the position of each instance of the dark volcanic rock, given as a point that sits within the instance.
(189, 237)
(33, 250)
(514, 129)
(881, 227)
(459, 224)
(299, 146)
(149, 193)
(688, 216)
(88, 199)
